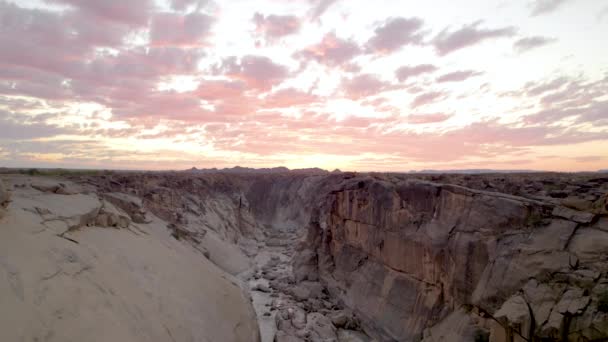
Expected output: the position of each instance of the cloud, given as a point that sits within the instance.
(171, 29)
(289, 97)
(259, 72)
(405, 72)
(14, 127)
(182, 5)
(363, 85)
(275, 26)
(221, 90)
(395, 33)
(540, 7)
(529, 43)
(449, 41)
(458, 76)
(331, 51)
(133, 12)
(427, 118)
(320, 7)
(426, 98)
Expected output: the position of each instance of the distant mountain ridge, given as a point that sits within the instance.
(273, 170)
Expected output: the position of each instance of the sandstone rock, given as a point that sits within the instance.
(105, 284)
(339, 318)
(101, 220)
(573, 215)
(5, 196)
(65, 189)
(589, 244)
(42, 187)
(320, 327)
(284, 337)
(261, 287)
(130, 204)
(577, 204)
(402, 254)
(305, 266)
(56, 188)
(515, 314)
(298, 317)
(573, 302)
(541, 298)
(352, 336)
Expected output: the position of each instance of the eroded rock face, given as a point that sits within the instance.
(5, 196)
(64, 276)
(404, 255)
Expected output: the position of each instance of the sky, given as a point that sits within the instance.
(384, 85)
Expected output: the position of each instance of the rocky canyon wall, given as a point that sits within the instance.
(415, 257)
(418, 260)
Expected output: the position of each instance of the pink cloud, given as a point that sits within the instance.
(332, 51)
(406, 72)
(170, 29)
(427, 118)
(276, 26)
(458, 76)
(288, 98)
(449, 41)
(259, 72)
(395, 33)
(363, 85)
(426, 98)
(181, 5)
(218, 90)
(133, 12)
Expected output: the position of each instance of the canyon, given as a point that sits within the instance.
(308, 255)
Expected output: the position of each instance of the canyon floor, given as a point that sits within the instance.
(303, 256)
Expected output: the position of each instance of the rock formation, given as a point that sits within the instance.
(5, 197)
(64, 276)
(324, 256)
(410, 256)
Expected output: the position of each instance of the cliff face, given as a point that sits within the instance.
(442, 262)
(406, 257)
(80, 264)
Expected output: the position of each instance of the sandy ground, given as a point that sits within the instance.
(107, 284)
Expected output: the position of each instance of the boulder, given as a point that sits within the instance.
(352, 336)
(573, 215)
(261, 287)
(321, 327)
(281, 336)
(55, 188)
(129, 204)
(515, 316)
(44, 187)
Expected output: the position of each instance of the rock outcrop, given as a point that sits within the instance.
(5, 197)
(325, 257)
(406, 255)
(64, 276)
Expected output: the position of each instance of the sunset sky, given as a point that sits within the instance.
(386, 85)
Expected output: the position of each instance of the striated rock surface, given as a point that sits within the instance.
(406, 254)
(324, 257)
(64, 276)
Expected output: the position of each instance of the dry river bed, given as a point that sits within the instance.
(287, 312)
